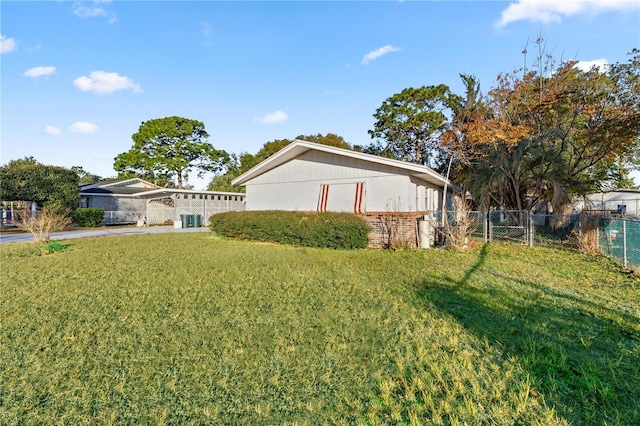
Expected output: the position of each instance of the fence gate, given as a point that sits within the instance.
(508, 226)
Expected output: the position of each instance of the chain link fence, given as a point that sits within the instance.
(618, 237)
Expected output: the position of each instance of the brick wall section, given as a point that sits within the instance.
(389, 229)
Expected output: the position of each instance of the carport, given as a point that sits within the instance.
(168, 205)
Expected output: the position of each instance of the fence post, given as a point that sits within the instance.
(531, 228)
(490, 227)
(485, 238)
(624, 243)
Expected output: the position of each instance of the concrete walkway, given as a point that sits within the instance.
(99, 232)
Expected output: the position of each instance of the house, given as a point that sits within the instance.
(306, 176)
(621, 202)
(138, 201)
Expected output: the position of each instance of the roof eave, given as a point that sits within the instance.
(298, 147)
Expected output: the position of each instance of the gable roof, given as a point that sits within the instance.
(299, 147)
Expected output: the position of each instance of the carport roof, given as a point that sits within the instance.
(167, 192)
(124, 188)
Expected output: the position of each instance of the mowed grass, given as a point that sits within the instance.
(193, 329)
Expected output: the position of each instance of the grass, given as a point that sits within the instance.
(193, 329)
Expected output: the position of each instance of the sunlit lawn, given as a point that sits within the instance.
(193, 329)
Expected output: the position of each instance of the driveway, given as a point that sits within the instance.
(99, 232)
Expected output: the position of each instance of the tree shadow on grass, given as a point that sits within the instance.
(584, 358)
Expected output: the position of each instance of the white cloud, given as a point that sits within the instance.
(548, 11)
(375, 54)
(50, 130)
(105, 82)
(40, 71)
(7, 44)
(274, 117)
(601, 64)
(84, 11)
(83, 127)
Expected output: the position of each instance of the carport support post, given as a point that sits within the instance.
(175, 207)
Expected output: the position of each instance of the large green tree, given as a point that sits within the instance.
(28, 180)
(169, 148)
(410, 123)
(234, 167)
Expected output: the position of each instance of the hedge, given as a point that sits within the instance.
(309, 229)
(88, 216)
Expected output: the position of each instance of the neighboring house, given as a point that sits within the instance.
(623, 202)
(138, 201)
(306, 176)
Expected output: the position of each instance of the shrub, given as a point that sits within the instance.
(88, 216)
(309, 229)
(50, 219)
(54, 247)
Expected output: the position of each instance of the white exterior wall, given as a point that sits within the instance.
(296, 185)
(611, 200)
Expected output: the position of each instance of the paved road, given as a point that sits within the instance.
(100, 232)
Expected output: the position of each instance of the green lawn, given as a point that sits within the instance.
(193, 329)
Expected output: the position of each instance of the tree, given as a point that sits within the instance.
(330, 139)
(270, 148)
(375, 148)
(237, 165)
(28, 180)
(168, 148)
(552, 134)
(464, 109)
(84, 176)
(411, 122)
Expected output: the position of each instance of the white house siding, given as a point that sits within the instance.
(611, 200)
(296, 185)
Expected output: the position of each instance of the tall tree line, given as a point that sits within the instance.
(537, 138)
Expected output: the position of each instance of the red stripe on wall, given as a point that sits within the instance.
(357, 206)
(324, 197)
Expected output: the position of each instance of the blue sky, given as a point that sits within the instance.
(78, 78)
